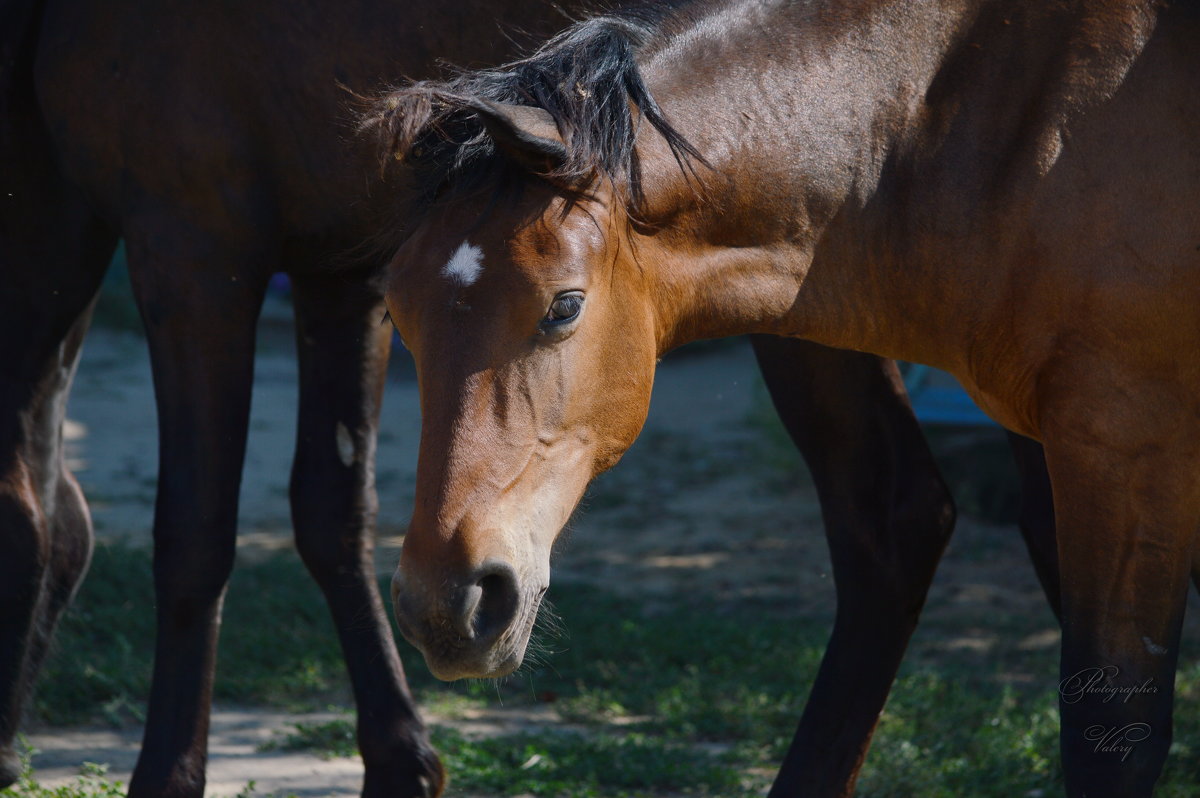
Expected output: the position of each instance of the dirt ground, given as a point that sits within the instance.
(720, 527)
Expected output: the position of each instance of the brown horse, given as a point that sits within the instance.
(215, 143)
(1004, 190)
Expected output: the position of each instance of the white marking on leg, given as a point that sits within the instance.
(345, 445)
(465, 266)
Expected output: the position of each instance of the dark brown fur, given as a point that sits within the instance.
(219, 141)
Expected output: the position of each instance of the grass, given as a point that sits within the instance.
(328, 739)
(112, 620)
(574, 765)
(91, 783)
(693, 698)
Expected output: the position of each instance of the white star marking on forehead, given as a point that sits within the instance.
(465, 266)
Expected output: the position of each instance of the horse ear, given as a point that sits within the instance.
(524, 133)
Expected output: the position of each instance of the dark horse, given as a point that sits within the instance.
(214, 139)
(215, 142)
(1006, 190)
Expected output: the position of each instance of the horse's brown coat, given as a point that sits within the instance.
(1005, 190)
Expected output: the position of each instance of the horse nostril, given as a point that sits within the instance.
(465, 612)
(498, 599)
(479, 610)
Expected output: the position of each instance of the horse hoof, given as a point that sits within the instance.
(424, 777)
(10, 767)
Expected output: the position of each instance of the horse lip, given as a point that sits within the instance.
(486, 668)
(451, 656)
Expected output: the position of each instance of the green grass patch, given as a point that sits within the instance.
(694, 697)
(91, 783)
(327, 739)
(99, 668)
(277, 642)
(573, 765)
(568, 763)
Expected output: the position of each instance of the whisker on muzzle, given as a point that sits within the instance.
(547, 628)
(548, 622)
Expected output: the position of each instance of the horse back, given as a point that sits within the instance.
(243, 113)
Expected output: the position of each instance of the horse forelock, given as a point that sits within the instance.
(587, 78)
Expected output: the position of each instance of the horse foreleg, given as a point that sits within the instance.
(343, 343)
(200, 314)
(888, 516)
(1127, 500)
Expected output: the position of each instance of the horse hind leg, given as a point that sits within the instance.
(46, 533)
(1037, 516)
(53, 254)
(52, 265)
(888, 516)
(343, 351)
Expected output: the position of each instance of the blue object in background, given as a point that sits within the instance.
(937, 398)
(280, 284)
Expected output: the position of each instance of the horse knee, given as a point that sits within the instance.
(918, 525)
(925, 510)
(190, 579)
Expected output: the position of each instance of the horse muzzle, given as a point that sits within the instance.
(477, 628)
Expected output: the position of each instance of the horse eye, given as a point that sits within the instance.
(564, 308)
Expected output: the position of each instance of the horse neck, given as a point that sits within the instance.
(854, 153)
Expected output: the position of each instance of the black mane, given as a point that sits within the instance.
(586, 78)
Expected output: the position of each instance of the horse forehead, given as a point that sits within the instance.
(556, 248)
(465, 265)
(550, 249)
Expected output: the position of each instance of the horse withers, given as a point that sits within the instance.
(1003, 190)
